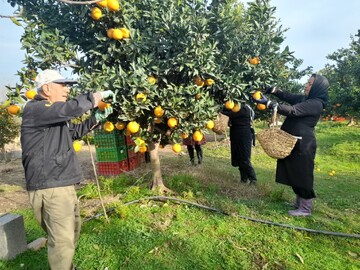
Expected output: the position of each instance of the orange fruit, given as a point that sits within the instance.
(77, 146)
(125, 32)
(96, 13)
(198, 81)
(254, 60)
(261, 107)
(13, 109)
(176, 147)
(103, 105)
(229, 104)
(197, 136)
(120, 125)
(108, 126)
(109, 32)
(140, 97)
(158, 111)
(210, 124)
(117, 34)
(157, 120)
(152, 80)
(172, 122)
(102, 4)
(184, 135)
(209, 82)
(257, 95)
(113, 5)
(236, 107)
(30, 94)
(198, 96)
(142, 149)
(133, 127)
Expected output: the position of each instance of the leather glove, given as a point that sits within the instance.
(107, 93)
(270, 90)
(101, 116)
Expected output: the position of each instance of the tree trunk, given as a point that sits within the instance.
(351, 122)
(157, 181)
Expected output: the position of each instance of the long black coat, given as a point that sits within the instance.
(302, 115)
(241, 137)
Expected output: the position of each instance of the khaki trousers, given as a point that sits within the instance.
(57, 211)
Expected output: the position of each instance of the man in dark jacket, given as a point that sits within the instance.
(50, 163)
(302, 115)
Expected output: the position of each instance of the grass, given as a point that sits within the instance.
(171, 235)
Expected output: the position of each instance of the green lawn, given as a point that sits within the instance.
(171, 235)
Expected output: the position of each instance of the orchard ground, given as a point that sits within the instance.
(12, 178)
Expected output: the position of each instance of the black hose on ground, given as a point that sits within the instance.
(164, 198)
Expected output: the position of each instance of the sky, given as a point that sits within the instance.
(316, 28)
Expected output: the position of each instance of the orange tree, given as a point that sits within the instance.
(172, 64)
(344, 79)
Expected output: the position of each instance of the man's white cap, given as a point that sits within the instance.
(51, 76)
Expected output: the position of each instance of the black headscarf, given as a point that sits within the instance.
(319, 89)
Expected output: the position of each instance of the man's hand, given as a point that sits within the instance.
(101, 116)
(107, 93)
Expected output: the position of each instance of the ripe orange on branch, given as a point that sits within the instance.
(117, 34)
(229, 104)
(125, 32)
(30, 94)
(102, 4)
(210, 124)
(13, 109)
(140, 97)
(120, 125)
(236, 107)
(172, 122)
(261, 107)
(133, 127)
(176, 147)
(209, 82)
(197, 136)
(158, 111)
(254, 60)
(257, 95)
(109, 32)
(113, 5)
(96, 13)
(152, 80)
(108, 126)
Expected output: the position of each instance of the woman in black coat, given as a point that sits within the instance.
(302, 115)
(241, 140)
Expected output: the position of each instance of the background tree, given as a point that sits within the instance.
(344, 78)
(172, 64)
(9, 128)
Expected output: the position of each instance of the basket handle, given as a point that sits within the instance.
(274, 118)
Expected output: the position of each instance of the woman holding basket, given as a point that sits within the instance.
(302, 115)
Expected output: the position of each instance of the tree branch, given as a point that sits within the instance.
(13, 16)
(79, 2)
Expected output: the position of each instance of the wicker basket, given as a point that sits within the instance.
(221, 124)
(276, 143)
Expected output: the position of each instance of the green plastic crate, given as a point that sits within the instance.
(111, 154)
(105, 139)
